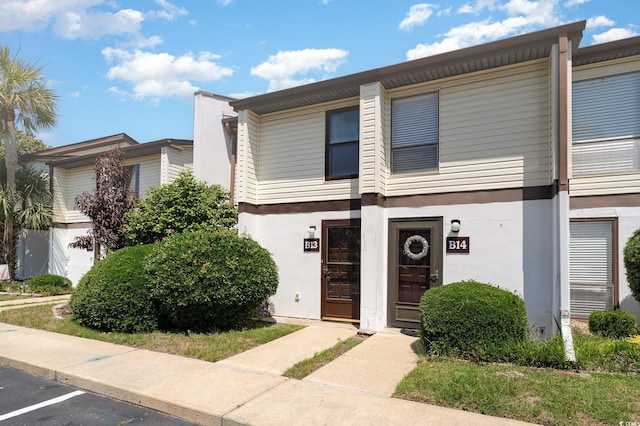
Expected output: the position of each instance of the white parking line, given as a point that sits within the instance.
(40, 405)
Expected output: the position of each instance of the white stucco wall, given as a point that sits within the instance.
(69, 262)
(510, 248)
(211, 142)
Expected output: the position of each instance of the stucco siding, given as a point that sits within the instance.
(292, 158)
(494, 132)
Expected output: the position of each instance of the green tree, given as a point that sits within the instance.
(27, 102)
(29, 207)
(186, 204)
(26, 143)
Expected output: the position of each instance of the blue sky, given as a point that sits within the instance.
(132, 66)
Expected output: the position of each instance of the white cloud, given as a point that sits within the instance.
(599, 21)
(225, 2)
(281, 68)
(36, 15)
(418, 14)
(522, 16)
(169, 11)
(466, 8)
(95, 25)
(157, 75)
(571, 3)
(613, 34)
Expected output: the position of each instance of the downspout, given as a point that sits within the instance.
(564, 130)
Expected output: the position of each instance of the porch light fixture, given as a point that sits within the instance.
(455, 225)
(312, 231)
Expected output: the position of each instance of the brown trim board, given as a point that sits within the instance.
(81, 225)
(467, 197)
(595, 201)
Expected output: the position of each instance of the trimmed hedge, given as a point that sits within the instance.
(205, 281)
(49, 285)
(473, 319)
(616, 324)
(113, 295)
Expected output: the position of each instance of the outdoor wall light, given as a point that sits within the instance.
(312, 231)
(455, 225)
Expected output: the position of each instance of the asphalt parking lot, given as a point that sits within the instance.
(27, 400)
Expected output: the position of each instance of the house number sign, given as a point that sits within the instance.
(458, 245)
(311, 244)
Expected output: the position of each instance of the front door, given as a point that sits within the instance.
(341, 270)
(415, 266)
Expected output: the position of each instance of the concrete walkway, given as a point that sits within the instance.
(247, 388)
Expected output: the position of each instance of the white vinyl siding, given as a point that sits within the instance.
(247, 157)
(591, 266)
(79, 180)
(414, 133)
(149, 173)
(292, 158)
(372, 153)
(178, 161)
(494, 132)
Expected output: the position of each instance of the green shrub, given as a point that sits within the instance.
(113, 295)
(186, 204)
(49, 285)
(616, 324)
(632, 263)
(209, 280)
(471, 319)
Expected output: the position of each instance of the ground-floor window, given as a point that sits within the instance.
(592, 259)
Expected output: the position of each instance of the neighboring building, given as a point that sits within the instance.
(71, 171)
(463, 165)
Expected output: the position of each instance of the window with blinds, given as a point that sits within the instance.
(606, 125)
(591, 263)
(414, 133)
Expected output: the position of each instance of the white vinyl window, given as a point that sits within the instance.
(414, 133)
(591, 263)
(606, 125)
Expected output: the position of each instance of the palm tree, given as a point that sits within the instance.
(29, 206)
(26, 101)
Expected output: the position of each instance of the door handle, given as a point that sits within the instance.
(325, 271)
(434, 277)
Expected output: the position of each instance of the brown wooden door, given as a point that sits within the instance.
(341, 270)
(415, 266)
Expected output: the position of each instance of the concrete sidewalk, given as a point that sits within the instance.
(244, 389)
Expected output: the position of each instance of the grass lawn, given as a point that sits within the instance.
(303, 368)
(537, 395)
(605, 390)
(4, 297)
(209, 347)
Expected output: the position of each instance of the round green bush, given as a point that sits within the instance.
(616, 324)
(112, 295)
(209, 280)
(49, 285)
(632, 263)
(471, 319)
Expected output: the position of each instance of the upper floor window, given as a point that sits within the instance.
(606, 124)
(414, 133)
(133, 177)
(342, 143)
